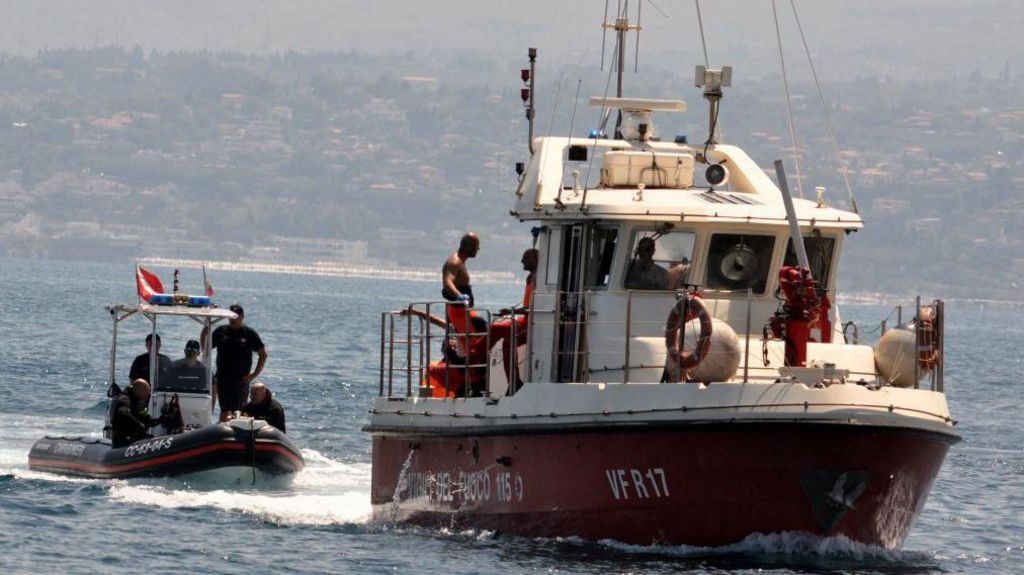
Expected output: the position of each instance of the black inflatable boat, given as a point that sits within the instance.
(242, 447)
(241, 451)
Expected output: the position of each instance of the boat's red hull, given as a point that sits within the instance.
(695, 485)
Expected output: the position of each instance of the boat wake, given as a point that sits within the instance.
(788, 549)
(326, 492)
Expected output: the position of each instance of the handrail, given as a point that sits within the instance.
(597, 350)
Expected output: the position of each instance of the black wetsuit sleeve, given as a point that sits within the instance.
(275, 416)
(272, 413)
(126, 428)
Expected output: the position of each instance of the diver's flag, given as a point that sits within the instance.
(147, 283)
(206, 283)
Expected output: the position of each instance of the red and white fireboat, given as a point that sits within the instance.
(686, 379)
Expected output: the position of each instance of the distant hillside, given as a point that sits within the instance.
(385, 160)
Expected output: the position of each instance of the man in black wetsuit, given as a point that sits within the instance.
(140, 367)
(235, 344)
(262, 405)
(130, 420)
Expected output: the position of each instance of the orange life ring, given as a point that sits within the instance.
(928, 341)
(695, 308)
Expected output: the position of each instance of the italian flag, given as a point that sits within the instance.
(207, 286)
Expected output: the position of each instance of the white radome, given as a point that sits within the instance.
(723, 357)
(894, 357)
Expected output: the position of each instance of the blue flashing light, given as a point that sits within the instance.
(596, 134)
(181, 299)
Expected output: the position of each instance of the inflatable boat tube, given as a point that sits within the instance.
(242, 443)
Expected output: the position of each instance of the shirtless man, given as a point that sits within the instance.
(455, 284)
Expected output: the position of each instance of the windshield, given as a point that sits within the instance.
(819, 256)
(182, 377)
(659, 261)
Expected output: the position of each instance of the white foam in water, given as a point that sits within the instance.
(326, 492)
(19, 432)
(785, 544)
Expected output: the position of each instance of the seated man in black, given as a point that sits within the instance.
(262, 405)
(130, 420)
(140, 367)
(643, 273)
(187, 374)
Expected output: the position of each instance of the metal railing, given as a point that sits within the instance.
(929, 335)
(412, 338)
(582, 320)
(415, 336)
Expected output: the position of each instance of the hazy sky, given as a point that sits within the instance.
(939, 38)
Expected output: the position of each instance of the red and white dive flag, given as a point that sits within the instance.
(147, 283)
(207, 286)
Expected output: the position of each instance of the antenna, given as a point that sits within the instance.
(636, 50)
(713, 80)
(604, 33)
(527, 75)
(621, 26)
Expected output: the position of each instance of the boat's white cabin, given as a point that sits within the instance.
(600, 202)
(626, 226)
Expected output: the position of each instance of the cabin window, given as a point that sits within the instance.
(739, 261)
(600, 251)
(660, 260)
(819, 256)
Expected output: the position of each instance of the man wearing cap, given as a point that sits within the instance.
(187, 374)
(235, 344)
(140, 367)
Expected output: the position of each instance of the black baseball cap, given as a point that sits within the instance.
(237, 309)
(192, 346)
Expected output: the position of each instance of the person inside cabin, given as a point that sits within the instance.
(130, 420)
(235, 344)
(140, 366)
(262, 405)
(643, 273)
(187, 374)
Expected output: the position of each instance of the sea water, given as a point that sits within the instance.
(323, 337)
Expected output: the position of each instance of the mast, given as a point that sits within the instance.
(621, 26)
(527, 74)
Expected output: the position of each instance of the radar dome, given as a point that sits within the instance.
(723, 358)
(895, 357)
